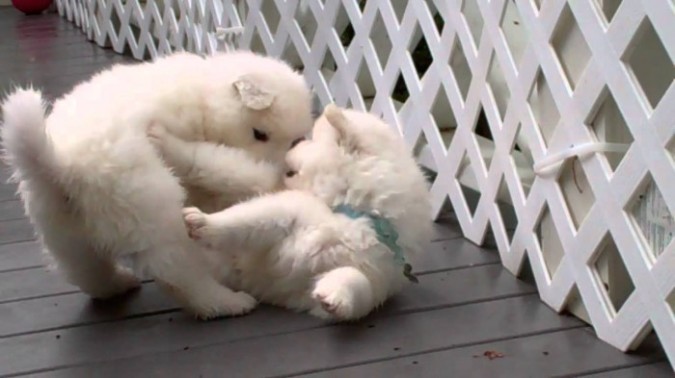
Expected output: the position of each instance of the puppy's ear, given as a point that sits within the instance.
(252, 94)
(337, 119)
(344, 135)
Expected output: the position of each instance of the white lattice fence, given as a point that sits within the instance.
(147, 29)
(485, 92)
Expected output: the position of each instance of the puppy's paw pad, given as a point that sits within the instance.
(156, 133)
(335, 304)
(195, 222)
(328, 306)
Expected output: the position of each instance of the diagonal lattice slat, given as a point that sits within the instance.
(482, 90)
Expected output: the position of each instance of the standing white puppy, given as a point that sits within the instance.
(96, 189)
(338, 241)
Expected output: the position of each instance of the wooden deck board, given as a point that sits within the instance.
(27, 281)
(10, 210)
(439, 289)
(569, 352)
(465, 303)
(19, 256)
(14, 231)
(641, 371)
(8, 192)
(138, 336)
(322, 348)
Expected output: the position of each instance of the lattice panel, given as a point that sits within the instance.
(484, 92)
(147, 29)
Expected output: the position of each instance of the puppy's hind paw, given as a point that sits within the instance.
(333, 306)
(120, 282)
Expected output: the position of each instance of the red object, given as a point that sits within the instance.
(32, 6)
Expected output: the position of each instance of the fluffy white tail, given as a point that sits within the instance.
(27, 148)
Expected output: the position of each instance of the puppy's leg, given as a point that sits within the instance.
(152, 225)
(94, 271)
(252, 225)
(181, 268)
(184, 274)
(230, 172)
(177, 154)
(343, 294)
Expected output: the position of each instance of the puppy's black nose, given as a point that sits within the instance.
(295, 142)
(290, 174)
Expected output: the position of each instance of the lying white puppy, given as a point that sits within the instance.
(96, 189)
(337, 242)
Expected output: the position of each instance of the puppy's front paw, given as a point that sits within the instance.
(157, 134)
(241, 304)
(233, 304)
(195, 222)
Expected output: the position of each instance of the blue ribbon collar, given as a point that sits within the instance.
(386, 234)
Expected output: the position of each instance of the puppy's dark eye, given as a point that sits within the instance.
(260, 135)
(290, 174)
(295, 142)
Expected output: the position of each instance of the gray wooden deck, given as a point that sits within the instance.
(465, 305)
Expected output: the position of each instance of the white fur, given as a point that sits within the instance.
(290, 249)
(96, 189)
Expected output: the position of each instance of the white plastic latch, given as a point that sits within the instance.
(228, 35)
(552, 163)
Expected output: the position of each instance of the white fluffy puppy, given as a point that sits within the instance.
(96, 189)
(337, 241)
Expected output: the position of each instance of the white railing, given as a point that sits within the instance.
(484, 92)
